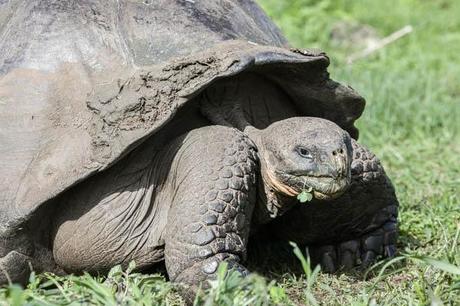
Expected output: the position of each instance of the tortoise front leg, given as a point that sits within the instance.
(355, 229)
(212, 206)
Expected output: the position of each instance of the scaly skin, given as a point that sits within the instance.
(192, 204)
(211, 212)
(191, 198)
(354, 229)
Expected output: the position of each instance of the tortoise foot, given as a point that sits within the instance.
(361, 252)
(197, 277)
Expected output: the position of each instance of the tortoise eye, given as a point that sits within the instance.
(304, 153)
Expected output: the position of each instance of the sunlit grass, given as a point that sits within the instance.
(411, 121)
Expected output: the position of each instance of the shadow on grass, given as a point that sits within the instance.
(276, 259)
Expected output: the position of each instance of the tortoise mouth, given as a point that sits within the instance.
(322, 196)
(323, 187)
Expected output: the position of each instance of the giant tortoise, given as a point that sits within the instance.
(173, 131)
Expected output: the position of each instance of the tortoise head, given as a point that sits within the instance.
(305, 153)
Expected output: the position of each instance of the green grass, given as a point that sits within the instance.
(412, 122)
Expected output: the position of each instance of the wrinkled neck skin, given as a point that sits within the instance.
(273, 198)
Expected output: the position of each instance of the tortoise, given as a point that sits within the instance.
(173, 131)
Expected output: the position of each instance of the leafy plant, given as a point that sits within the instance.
(305, 195)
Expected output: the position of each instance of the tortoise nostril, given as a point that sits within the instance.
(337, 152)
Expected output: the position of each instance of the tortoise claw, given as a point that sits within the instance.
(348, 252)
(368, 258)
(328, 263)
(347, 260)
(326, 256)
(362, 252)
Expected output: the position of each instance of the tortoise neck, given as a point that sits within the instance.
(271, 202)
